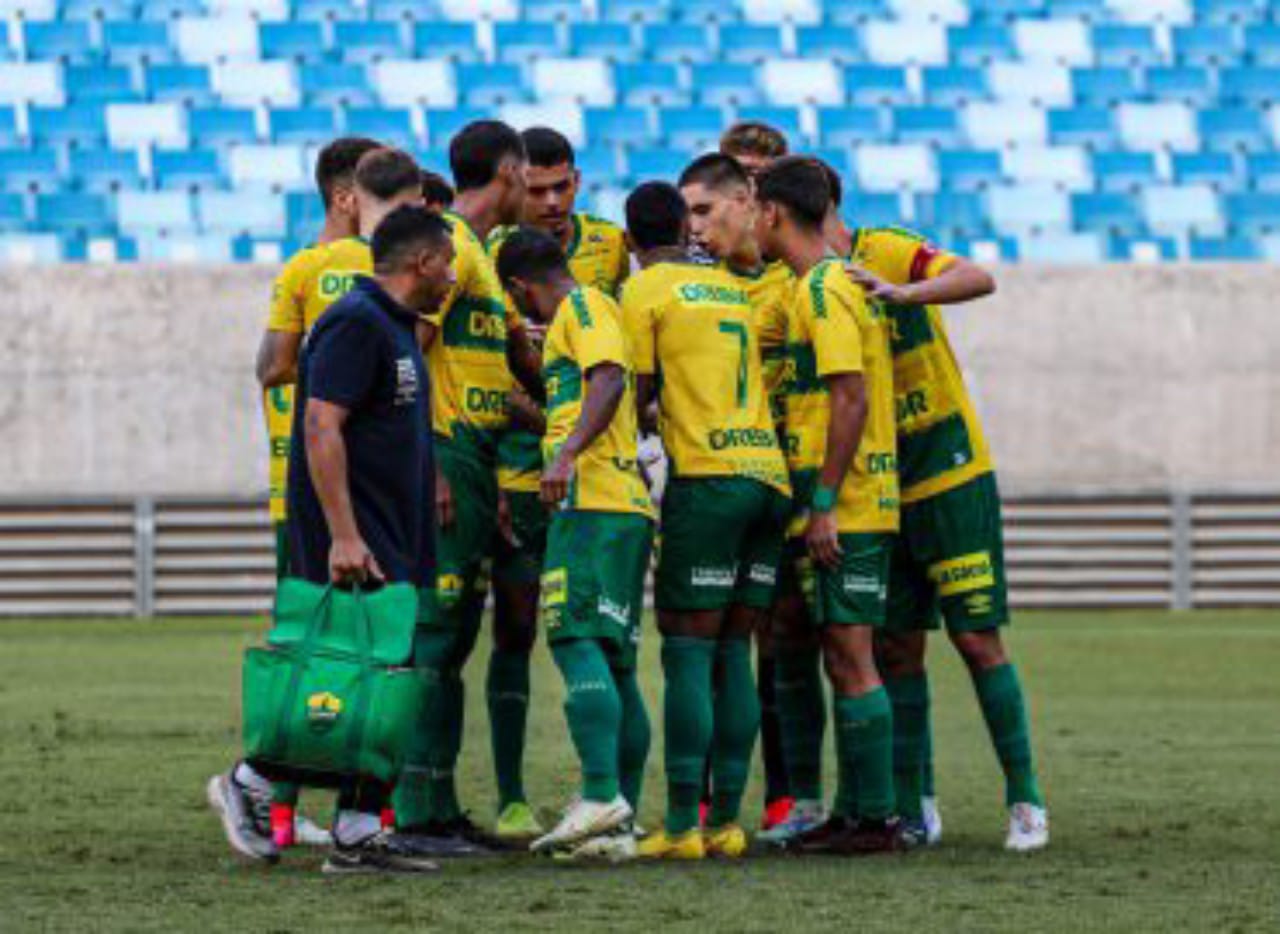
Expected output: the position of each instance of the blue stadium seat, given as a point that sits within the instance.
(1224, 249)
(314, 11)
(102, 170)
(365, 42)
(1250, 86)
(385, 11)
(1264, 170)
(189, 84)
(1202, 45)
(9, 137)
(958, 213)
(483, 85)
(214, 127)
(1190, 84)
(1083, 126)
(59, 41)
(877, 84)
(854, 12)
(187, 168)
(849, 126)
(677, 42)
(749, 42)
(98, 83)
(1107, 212)
(839, 44)
(330, 85)
(653, 83)
(21, 169)
(552, 11)
(838, 159)
(706, 12)
(13, 212)
(83, 213)
(393, 125)
(1103, 87)
(948, 86)
(435, 160)
(970, 169)
(938, 126)
(981, 44)
(299, 42)
(6, 51)
(147, 211)
(786, 119)
(98, 9)
(1218, 169)
(443, 124)
(172, 9)
(1262, 44)
(723, 84)
(1008, 10)
(1253, 213)
(871, 210)
(635, 11)
(649, 164)
(599, 166)
(610, 41)
(690, 128)
(446, 40)
(1229, 11)
(255, 214)
(83, 125)
(1235, 128)
(315, 125)
(1125, 45)
(304, 215)
(611, 126)
(519, 41)
(1123, 171)
(142, 42)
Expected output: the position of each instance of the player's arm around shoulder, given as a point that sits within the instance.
(903, 268)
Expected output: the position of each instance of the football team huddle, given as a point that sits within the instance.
(739, 390)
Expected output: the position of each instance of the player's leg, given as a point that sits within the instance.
(359, 844)
(777, 789)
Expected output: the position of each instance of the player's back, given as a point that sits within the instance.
(333, 272)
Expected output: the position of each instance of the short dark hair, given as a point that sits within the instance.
(755, 138)
(833, 182)
(435, 190)
(478, 149)
(337, 163)
(530, 254)
(547, 148)
(404, 230)
(384, 173)
(799, 184)
(656, 213)
(715, 170)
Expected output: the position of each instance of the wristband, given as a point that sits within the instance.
(824, 499)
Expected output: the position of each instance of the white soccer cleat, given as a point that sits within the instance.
(932, 818)
(582, 820)
(1028, 828)
(307, 832)
(805, 815)
(618, 846)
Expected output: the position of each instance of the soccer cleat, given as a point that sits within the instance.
(244, 818)
(439, 840)
(915, 833)
(660, 845)
(729, 841)
(843, 836)
(1028, 828)
(466, 829)
(776, 812)
(518, 824)
(932, 820)
(381, 853)
(582, 820)
(617, 846)
(805, 815)
(826, 837)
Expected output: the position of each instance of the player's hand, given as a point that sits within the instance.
(444, 501)
(823, 539)
(506, 527)
(351, 562)
(876, 287)
(556, 479)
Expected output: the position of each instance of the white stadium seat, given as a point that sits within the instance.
(25, 249)
(1152, 11)
(1061, 248)
(1184, 209)
(793, 83)
(905, 43)
(469, 10)
(401, 83)
(1047, 85)
(153, 210)
(184, 248)
(565, 116)
(588, 81)
(204, 41)
(1157, 126)
(894, 168)
(252, 83)
(1065, 167)
(1029, 208)
(133, 125)
(29, 9)
(994, 126)
(940, 11)
(232, 212)
(1065, 41)
(266, 10)
(807, 12)
(32, 82)
(262, 166)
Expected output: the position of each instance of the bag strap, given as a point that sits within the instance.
(301, 662)
(360, 708)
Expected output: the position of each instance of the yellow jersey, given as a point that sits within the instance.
(693, 326)
(940, 441)
(586, 332)
(833, 328)
(598, 257)
(771, 289)
(467, 360)
(312, 280)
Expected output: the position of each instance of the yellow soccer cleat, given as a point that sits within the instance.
(729, 841)
(659, 845)
(517, 823)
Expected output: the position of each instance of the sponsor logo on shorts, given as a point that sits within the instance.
(586, 687)
(620, 613)
(861, 583)
(978, 604)
(713, 577)
(485, 401)
(963, 574)
(763, 574)
(722, 438)
(555, 594)
(323, 710)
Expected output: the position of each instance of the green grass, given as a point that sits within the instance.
(1156, 737)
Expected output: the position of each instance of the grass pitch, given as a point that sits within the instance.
(1156, 736)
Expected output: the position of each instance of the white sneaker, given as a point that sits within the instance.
(584, 819)
(1028, 828)
(805, 815)
(932, 821)
(307, 832)
(240, 813)
(619, 846)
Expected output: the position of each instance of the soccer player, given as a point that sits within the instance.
(599, 542)
(597, 255)
(949, 557)
(841, 449)
(437, 194)
(466, 358)
(724, 514)
(722, 211)
(753, 144)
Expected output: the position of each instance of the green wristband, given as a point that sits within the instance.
(824, 499)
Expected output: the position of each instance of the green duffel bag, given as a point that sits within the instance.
(331, 697)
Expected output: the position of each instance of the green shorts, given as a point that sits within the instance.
(465, 547)
(850, 594)
(281, 530)
(722, 541)
(593, 585)
(521, 563)
(948, 561)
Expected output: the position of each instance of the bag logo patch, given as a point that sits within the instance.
(323, 710)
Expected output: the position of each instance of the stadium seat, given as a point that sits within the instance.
(999, 125)
(81, 213)
(1103, 87)
(634, 11)
(58, 41)
(949, 86)
(484, 85)
(98, 83)
(1007, 10)
(691, 128)
(786, 119)
(83, 125)
(173, 9)
(143, 211)
(1125, 45)
(931, 11)
(587, 81)
(191, 85)
(896, 42)
(304, 215)
(331, 85)
(9, 136)
(726, 84)
(361, 43)
(314, 125)
(30, 82)
(1123, 171)
(876, 84)
(131, 125)
(677, 43)
(552, 11)
(1182, 210)
(98, 9)
(749, 42)
(235, 213)
(653, 83)
(1235, 129)
(1189, 85)
(895, 168)
(1257, 87)
(186, 168)
(13, 212)
(136, 43)
(207, 41)
(1107, 212)
(393, 125)
(1157, 126)
(958, 213)
(1228, 11)
(299, 42)
(799, 12)
(1040, 83)
(463, 10)
(23, 169)
(970, 169)
(1144, 249)
(1204, 46)
(519, 42)
(455, 41)
(851, 126)
(1253, 213)
(1151, 11)
(103, 170)
(1024, 209)
(1264, 170)
(872, 210)
(937, 126)
(1084, 126)
(1224, 249)
(598, 166)
(610, 41)
(444, 123)
(839, 44)
(1262, 43)
(565, 117)
(615, 126)
(216, 127)
(705, 12)
(1063, 167)
(1216, 169)
(794, 83)
(1061, 249)
(408, 83)
(977, 45)
(273, 84)
(314, 11)
(435, 160)
(183, 248)
(1055, 41)
(854, 12)
(838, 159)
(650, 164)
(259, 166)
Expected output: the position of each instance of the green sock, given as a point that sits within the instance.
(285, 793)
(737, 720)
(633, 737)
(1003, 708)
(910, 699)
(926, 755)
(864, 750)
(507, 693)
(687, 719)
(802, 718)
(594, 712)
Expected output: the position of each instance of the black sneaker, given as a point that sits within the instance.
(380, 853)
(463, 827)
(825, 838)
(440, 839)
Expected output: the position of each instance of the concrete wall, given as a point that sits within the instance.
(139, 379)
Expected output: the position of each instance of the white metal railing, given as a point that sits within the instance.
(172, 556)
